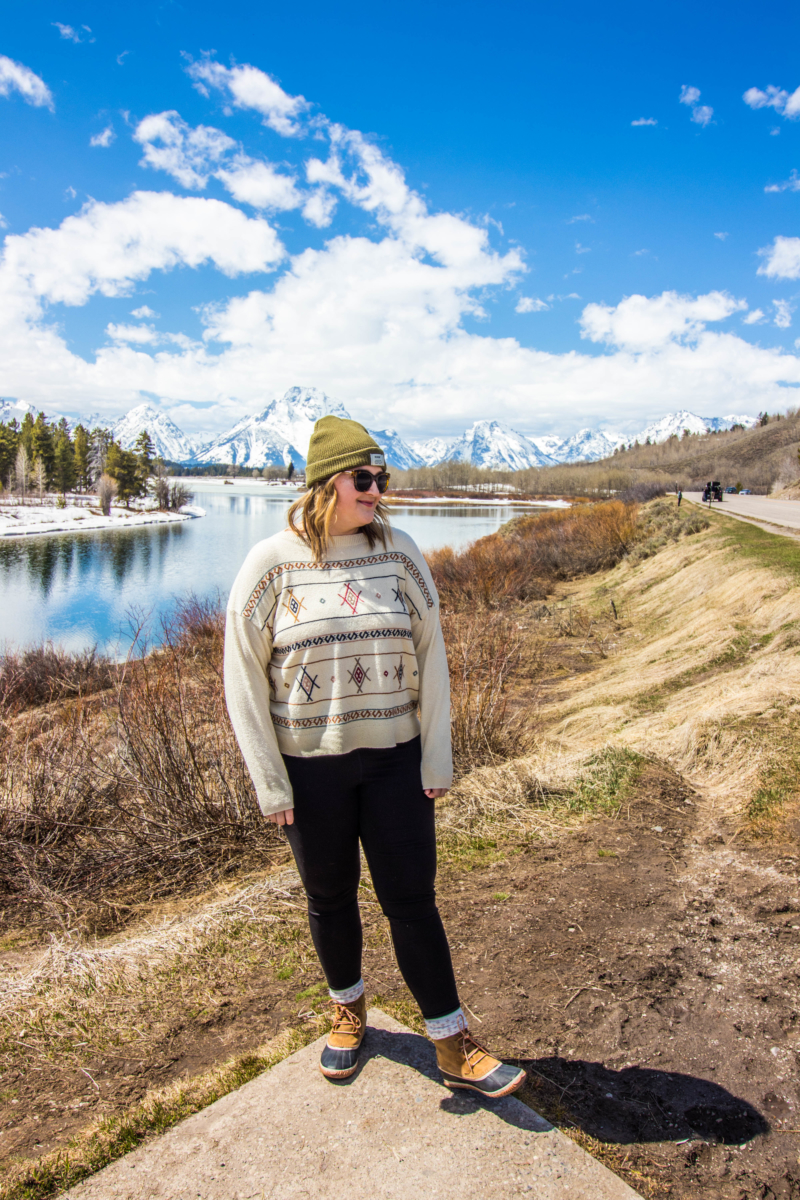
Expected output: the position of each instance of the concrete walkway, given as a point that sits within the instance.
(390, 1132)
(760, 509)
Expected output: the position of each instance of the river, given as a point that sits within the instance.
(85, 589)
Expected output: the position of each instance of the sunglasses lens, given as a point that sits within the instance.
(364, 480)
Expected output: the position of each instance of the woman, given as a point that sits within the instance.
(337, 686)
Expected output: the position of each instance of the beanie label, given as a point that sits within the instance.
(377, 460)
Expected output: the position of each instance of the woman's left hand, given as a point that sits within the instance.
(435, 793)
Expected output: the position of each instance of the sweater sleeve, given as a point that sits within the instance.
(247, 655)
(434, 686)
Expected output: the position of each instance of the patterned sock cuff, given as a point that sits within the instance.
(442, 1027)
(348, 995)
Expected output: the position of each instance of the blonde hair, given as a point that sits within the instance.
(312, 515)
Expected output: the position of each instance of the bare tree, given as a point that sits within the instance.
(106, 491)
(22, 472)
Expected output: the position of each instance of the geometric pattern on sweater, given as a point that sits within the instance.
(359, 714)
(386, 556)
(376, 670)
(331, 639)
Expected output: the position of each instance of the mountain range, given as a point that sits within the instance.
(279, 434)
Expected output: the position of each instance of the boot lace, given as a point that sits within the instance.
(345, 1020)
(474, 1053)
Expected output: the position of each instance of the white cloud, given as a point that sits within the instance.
(580, 217)
(721, 236)
(132, 333)
(375, 317)
(792, 184)
(754, 318)
(644, 121)
(104, 138)
(319, 208)
(639, 323)
(701, 113)
(15, 77)
(67, 32)
(640, 253)
(121, 57)
(783, 313)
(773, 97)
(781, 259)
(528, 304)
(247, 87)
(579, 249)
(107, 247)
(259, 184)
(185, 153)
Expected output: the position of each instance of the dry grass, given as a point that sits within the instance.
(706, 664)
(530, 553)
(128, 795)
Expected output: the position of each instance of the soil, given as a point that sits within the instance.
(643, 968)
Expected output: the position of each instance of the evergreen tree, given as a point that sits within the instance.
(83, 478)
(144, 451)
(123, 467)
(26, 435)
(43, 448)
(64, 462)
(9, 440)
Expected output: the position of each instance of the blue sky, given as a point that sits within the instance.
(435, 213)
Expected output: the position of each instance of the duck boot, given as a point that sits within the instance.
(465, 1063)
(340, 1054)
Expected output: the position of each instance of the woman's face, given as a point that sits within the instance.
(354, 509)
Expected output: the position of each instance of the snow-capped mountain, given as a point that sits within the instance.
(168, 440)
(548, 445)
(280, 434)
(497, 446)
(587, 445)
(277, 435)
(398, 453)
(432, 451)
(673, 425)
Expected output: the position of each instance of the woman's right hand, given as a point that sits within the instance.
(284, 817)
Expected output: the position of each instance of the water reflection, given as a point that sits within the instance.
(79, 589)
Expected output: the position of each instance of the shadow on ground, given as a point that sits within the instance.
(641, 1105)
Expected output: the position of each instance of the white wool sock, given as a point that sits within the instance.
(442, 1027)
(348, 995)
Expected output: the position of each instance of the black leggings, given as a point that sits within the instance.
(375, 796)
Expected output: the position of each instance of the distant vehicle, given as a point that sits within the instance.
(730, 491)
(745, 492)
(713, 491)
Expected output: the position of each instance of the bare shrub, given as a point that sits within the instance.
(106, 490)
(484, 656)
(523, 560)
(44, 673)
(130, 796)
(179, 495)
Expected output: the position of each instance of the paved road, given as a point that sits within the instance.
(759, 508)
(391, 1132)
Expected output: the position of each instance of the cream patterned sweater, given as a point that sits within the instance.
(327, 657)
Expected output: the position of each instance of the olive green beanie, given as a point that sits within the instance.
(338, 444)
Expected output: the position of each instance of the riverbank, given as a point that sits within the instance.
(618, 868)
(27, 520)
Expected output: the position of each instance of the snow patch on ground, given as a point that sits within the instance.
(25, 520)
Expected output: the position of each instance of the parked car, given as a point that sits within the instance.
(730, 491)
(745, 492)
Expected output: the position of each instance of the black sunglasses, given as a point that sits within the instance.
(363, 479)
